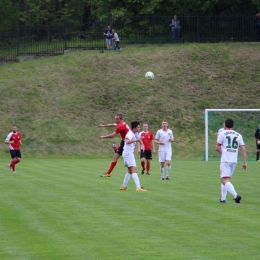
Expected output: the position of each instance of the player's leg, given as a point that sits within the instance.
(18, 157)
(127, 175)
(168, 164)
(258, 150)
(148, 157)
(13, 161)
(142, 158)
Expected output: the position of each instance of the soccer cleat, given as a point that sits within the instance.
(167, 178)
(142, 171)
(105, 175)
(10, 168)
(123, 188)
(162, 178)
(148, 173)
(237, 199)
(140, 189)
(222, 201)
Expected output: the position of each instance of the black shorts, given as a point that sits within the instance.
(121, 148)
(15, 153)
(147, 154)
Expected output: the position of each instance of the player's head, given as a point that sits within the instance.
(145, 127)
(118, 118)
(135, 126)
(175, 17)
(113, 31)
(164, 124)
(108, 27)
(14, 128)
(229, 123)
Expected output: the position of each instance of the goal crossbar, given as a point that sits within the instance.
(207, 124)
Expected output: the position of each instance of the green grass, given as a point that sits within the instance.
(58, 102)
(62, 209)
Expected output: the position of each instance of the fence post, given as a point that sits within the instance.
(198, 29)
(18, 43)
(65, 35)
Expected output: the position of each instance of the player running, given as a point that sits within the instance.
(121, 128)
(228, 144)
(14, 141)
(164, 137)
(145, 149)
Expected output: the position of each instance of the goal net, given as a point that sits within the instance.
(245, 122)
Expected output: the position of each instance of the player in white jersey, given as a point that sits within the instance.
(164, 137)
(128, 154)
(228, 144)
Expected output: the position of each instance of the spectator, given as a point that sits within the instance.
(108, 36)
(257, 25)
(257, 139)
(175, 25)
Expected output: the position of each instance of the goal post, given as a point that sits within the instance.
(228, 114)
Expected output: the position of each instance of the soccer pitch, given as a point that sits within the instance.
(62, 209)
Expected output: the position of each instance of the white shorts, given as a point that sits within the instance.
(227, 169)
(129, 160)
(164, 156)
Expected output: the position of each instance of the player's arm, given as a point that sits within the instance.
(108, 136)
(153, 146)
(7, 140)
(158, 142)
(218, 148)
(107, 125)
(243, 151)
(138, 147)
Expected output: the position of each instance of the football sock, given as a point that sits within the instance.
(257, 156)
(136, 180)
(12, 165)
(230, 188)
(162, 172)
(223, 192)
(147, 167)
(112, 166)
(126, 179)
(16, 162)
(143, 164)
(168, 169)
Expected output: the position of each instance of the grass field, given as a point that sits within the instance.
(62, 209)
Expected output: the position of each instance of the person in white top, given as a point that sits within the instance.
(116, 40)
(228, 144)
(164, 137)
(128, 154)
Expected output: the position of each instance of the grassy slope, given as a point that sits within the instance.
(58, 102)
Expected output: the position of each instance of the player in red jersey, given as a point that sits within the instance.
(146, 150)
(14, 141)
(121, 128)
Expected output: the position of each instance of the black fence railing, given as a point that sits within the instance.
(142, 29)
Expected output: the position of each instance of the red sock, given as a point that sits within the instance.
(16, 162)
(112, 166)
(12, 164)
(143, 164)
(147, 167)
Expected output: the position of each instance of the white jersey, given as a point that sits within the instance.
(130, 148)
(164, 136)
(221, 130)
(116, 37)
(230, 142)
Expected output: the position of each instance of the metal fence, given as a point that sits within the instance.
(143, 29)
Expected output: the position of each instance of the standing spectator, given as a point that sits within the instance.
(108, 36)
(257, 25)
(121, 128)
(257, 137)
(164, 137)
(175, 25)
(129, 158)
(228, 144)
(14, 141)
(145, 149)
(116, 40)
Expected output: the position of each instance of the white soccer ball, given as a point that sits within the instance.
(149, 75)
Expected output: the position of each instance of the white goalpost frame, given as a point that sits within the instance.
(207, 124)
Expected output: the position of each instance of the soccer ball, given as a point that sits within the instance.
(149, 75)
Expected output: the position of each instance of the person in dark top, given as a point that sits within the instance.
(257, 140)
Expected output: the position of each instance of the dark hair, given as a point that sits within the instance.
(120, 116)
(229, 123)
(134, 124)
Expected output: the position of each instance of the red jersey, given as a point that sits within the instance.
(16, 137)
(122, 128)
(147, 138)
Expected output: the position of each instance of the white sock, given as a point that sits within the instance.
(168, 169)
(223, 192)
(162, 172)
(136, 180)
(126, 179)
(230, 188)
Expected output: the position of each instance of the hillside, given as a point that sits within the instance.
(58, 102)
